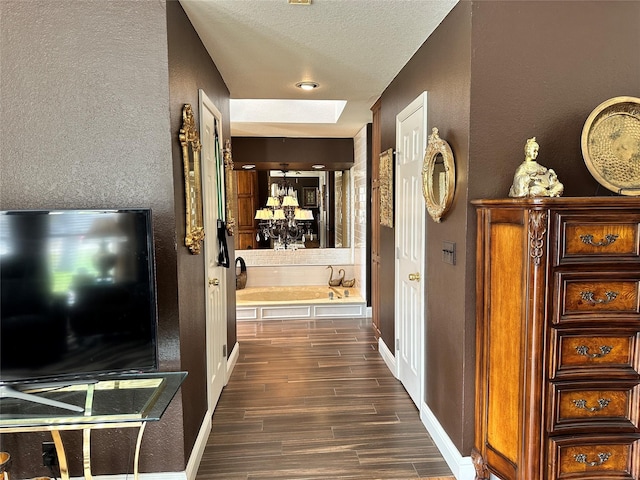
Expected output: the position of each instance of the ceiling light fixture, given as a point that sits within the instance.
(317, 167)
(307, 85)
(248, 166)
(299, 2)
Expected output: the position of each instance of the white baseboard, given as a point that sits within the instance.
(142, 476)
(231, 361)
(198, 448)
(461, 467)
(388, 357)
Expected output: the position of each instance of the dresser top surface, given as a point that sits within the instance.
(560, 202)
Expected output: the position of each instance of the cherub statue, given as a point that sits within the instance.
(532, 179)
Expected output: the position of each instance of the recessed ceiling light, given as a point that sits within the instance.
(317, 167)
(248, 166)
(307, 85)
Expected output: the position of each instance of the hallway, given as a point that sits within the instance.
(313, 399)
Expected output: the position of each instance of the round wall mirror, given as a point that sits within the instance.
(438, 177)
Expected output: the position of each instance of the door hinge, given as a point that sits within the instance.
(397, 344)
(224, 350)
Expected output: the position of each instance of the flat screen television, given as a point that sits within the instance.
(78, 297)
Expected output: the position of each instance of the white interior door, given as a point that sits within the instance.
(410, 220)
(213, 202)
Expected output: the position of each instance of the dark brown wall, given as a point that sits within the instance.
(564, 59)
(498, 73)
(539, 69)
(191, 69)
(298, 153)
(85, 124)
(442, 67)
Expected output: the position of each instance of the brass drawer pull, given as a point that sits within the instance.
(590, 297)
(582, 458)
(608, 240)
(582, 404)
(584, 351)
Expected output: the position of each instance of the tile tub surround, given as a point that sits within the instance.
(278, 303)
(302, 256)
(303, 266)
(296, 275)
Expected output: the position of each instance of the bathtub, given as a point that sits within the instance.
(277, 303)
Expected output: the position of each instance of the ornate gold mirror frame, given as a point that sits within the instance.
(438, 177)
(190, 142)
(386, 188)
(230, 194)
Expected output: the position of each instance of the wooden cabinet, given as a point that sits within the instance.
(558, 339)
(247, 191)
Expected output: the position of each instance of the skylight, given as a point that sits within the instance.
(285, 111)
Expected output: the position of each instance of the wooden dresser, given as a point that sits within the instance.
(558, 339)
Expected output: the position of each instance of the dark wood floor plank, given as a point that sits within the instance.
(313, 399)
(357, 409)
(244, 441)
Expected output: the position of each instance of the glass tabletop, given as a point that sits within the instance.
(139, 397)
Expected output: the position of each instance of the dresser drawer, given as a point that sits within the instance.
(609, 237)
(582, 353)
(596, 407)
(594, 458)
(597, 297)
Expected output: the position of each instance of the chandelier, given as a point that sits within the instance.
(282, 220)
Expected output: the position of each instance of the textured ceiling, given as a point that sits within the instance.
(352, 48)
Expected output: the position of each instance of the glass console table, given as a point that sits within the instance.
(123, 401)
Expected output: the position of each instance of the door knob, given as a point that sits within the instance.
(214, 282)
(414, 277)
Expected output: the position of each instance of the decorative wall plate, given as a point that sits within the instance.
(611, 145)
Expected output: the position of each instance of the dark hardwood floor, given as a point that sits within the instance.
(313, 399)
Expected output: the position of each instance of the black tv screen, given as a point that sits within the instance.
(77, 294)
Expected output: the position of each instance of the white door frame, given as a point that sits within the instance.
(419, 102)
(214, 344)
